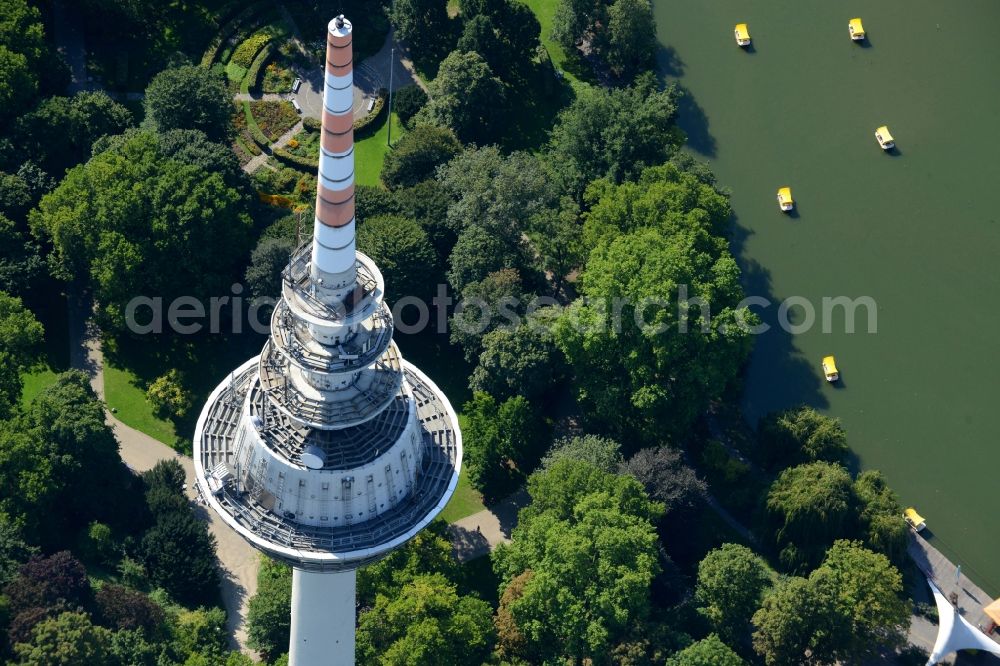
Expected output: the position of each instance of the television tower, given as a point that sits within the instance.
(328, 450)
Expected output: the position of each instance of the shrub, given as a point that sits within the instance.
(251, 80)
(304, 163)
(407, 101)
(364, 127)
(132, 573)
(168, 396)
(97, 544)
(122, 608)
(249, 48)
(312, 124)
(278, 200)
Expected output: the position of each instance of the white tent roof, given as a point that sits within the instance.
(955, 632)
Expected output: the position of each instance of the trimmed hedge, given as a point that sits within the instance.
(312, 124)
(229, 28)
(365, 127)
(252, 79)
(248, 49)
(295, 161)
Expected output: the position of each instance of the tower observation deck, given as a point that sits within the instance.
(328, 450)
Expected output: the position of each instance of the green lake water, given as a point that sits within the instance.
(919, 231)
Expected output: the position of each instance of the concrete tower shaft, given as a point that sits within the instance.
(328, 450)
(333, 253)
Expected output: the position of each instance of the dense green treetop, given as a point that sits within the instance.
(732, 580)
(415, 157)
(522, 360)
(269, 614)
(664, 197)
(800, 435)
(645, 368)
(810, 506)
(593, 554)
(615, 133)
(466, 97)
(424, 25)
(125, 218)
(630, 45)
(497, 437)
(267, 261)
(403, 253)
(496, 301)
(846, 611)
(709, 651)
(77, 121)
(603, 453)
(189, 97)
(426, 623)
(69, 639)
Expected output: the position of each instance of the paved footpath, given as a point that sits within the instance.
(237, 560)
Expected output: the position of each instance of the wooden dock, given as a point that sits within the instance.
(968, 598)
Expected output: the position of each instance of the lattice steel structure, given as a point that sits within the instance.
(328, 450)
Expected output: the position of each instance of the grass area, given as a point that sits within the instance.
(369, 153)
(123, 393)
(465, 502)
(545, 11)
(36, 382)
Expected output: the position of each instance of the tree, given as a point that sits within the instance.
(709, 651)
(267, 261)
(487, 305)
(56, 581)
(78, 121)
(466, 97)
(430, 552)
(269, 616)
(801, 435)
(168, 473)
(168, 396)
(571, 20)
(403, 252)
(588, 541)
(881, 517)
(20, 262)
(407, 102)
(480, 252)
(179, 554)
(631, 38)
(603, 453)
(62, 458)
(121, 221)
(497, 438)
(428, 622)
(202, 632)
(20, 346)
(427, 203)
(557, 236)
(517, 361)
(425, 27)
(666, 478)
(846, 611)
(865, 594)
(18, 84)
(615, 133)
(189, 97)
(123, 609)
(14, 550)
(67, 640)
(415, 157)
(732, 580)
(645, 366)
(809, 506)
(505, 34)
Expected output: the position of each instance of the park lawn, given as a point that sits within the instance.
(123, 394)
(369, 153)
(465, 502)
(35, 382)
(545, 11)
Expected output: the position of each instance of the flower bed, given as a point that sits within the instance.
(274, 118)
(249, 48)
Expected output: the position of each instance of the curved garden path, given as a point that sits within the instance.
(238, 562)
